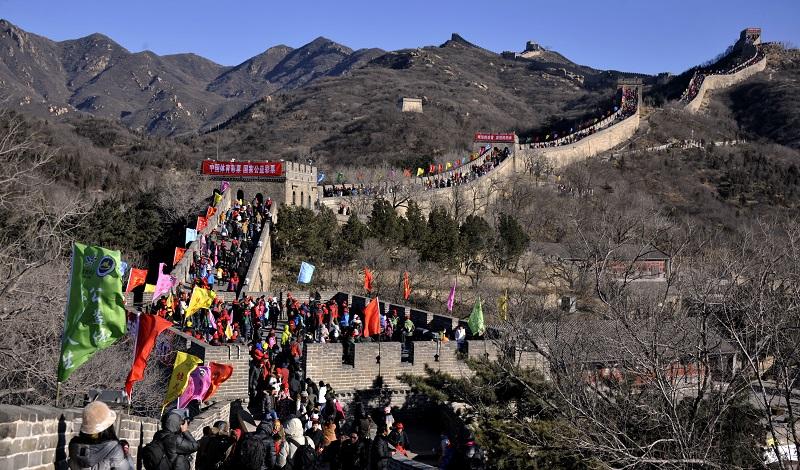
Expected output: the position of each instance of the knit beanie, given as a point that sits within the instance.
(97, 417)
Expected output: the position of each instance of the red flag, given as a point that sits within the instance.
(406, 286)
(440, 168)
(202, 223)
(219, 373)
(136, 279)
(431, 168)
(150, 326)
(179, 252)
(372, 320)
(210, 212)
(367, 280)
(407, 173)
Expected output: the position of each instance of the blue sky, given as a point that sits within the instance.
(638, 36)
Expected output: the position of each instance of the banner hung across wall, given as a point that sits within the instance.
(242, 169)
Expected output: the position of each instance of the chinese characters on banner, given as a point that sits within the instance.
(214, 168)
(483, 137)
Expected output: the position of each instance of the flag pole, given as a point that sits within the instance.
(58, 392)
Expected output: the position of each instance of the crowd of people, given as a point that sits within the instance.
(312, 431)
(459, 176)
(699, 76)
(629, 102)
(221, 264)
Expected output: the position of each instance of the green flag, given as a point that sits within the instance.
(95, 316)
(475, 321)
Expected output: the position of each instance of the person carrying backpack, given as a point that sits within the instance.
(96, 446)
(298, 452)
(215, 448)
(172, 447)
(250, 453)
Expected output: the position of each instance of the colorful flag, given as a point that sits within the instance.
(406, 286)
(202, 223)
(210, 211)
(219, 374)
(372, 318)
(223, 186)
(451, 299)
(136, 279)
(407, 173)
(95, 316)
(164, 283)
(420, 172)
(320, 177)
(201, 298)
(339, 177)
(440, 168)
(475, 321)
(185, 363)
(150, 326)
(431, 168)
(179, 252)
(197, 387)
(217, 199)
(448, 165)
(502, 305)
(191, 235)
(149, 288)
(306, 271)
(228, 331)
(367, 279)
(458, 162)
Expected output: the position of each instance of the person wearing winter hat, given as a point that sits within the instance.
(294, 439)
(96, 447)
(178, 443)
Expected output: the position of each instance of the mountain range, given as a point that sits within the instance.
(163, 95)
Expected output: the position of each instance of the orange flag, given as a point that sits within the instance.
(210, 212)
(219, 373)
(372, 320)
(367, 280)
(406, 286)
(136, 279)
(179, 252)
(150, 326)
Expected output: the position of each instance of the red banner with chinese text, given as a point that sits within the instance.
(242, 169)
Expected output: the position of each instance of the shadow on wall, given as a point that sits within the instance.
(61, 445)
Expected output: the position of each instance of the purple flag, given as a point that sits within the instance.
(223, 186)
(212, 322)
(164, 283)
(199, 381)
(451, 299)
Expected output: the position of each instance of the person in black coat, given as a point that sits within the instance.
(178, 444)
(380, 450)
(353, 453)
(265, 431)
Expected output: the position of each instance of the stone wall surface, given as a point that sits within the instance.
(716, 82)
(36, 437)
(324, 362)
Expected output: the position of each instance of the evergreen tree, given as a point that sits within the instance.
(442, 243)
(416, 229)
(383, 222)
(476, 237)
(511, 241)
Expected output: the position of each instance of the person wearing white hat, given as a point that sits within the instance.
(96, 447)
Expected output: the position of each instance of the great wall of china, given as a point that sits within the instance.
(35, 437)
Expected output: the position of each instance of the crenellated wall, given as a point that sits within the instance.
(716, 82)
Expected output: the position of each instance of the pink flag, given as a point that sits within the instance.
(199, 382)
(164, 283)
(223, 186)
(212, 322)
(451, 299)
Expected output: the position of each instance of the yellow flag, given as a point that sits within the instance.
(448, 166)
(150, 288)
(185, 363)
(201, 298)
(502, 306)
(217, 199)
(228, 331)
